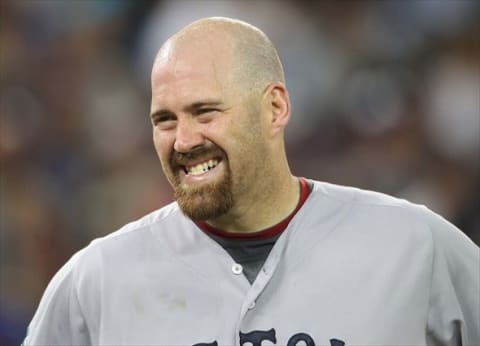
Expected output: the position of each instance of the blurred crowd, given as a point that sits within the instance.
(386, 96)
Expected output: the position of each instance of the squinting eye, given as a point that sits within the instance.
(166, 125)
(162, 118)
(164, 122)
(206, 110)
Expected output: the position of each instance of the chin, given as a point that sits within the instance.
(206, 201)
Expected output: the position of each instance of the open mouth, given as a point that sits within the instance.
(202, 167)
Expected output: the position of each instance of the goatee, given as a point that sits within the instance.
(206, 201)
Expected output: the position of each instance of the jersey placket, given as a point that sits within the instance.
(261, 281)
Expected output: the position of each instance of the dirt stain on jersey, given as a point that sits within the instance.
(172, 302)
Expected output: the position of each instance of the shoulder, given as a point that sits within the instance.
(157, 220)
(372, 211)
(159, 217)
(360, 199)
(354, 195)
(130, 242)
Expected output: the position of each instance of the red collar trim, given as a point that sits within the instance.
(266, 233)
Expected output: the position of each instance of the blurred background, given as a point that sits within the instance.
(386, 96)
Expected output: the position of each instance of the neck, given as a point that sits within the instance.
(268, 203)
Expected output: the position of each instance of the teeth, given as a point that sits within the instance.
(202, 167)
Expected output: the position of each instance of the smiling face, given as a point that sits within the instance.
(207, 131)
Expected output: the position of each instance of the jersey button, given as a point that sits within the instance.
(237, 269)
(251, 306)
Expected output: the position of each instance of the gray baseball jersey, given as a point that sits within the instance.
(352, 268)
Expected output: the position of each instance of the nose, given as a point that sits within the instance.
(187, 136)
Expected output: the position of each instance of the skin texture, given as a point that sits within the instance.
(218, 93)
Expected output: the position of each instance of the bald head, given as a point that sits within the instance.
(219, 99)
(245, 52)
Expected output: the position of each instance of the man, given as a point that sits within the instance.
(249, 254)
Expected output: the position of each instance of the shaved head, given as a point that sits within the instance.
(253, 61)
(219, 109)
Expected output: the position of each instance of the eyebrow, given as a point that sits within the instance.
(160, 113)
(189, 108)
(205, 103)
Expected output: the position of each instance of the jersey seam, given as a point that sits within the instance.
(131, 227)
(357, 202)
(434, 254)
(395, 202)
(432, 269)
(80, 307)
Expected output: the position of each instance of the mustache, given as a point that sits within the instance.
(178, 159)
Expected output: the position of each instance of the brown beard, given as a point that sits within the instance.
(208, 201)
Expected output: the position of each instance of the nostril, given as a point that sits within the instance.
(186, 145)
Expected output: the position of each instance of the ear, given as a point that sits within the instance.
(277, 104)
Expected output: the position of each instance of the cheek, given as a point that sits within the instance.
(163, 145)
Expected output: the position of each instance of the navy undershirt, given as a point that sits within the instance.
(252, 249)
(250, 253)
